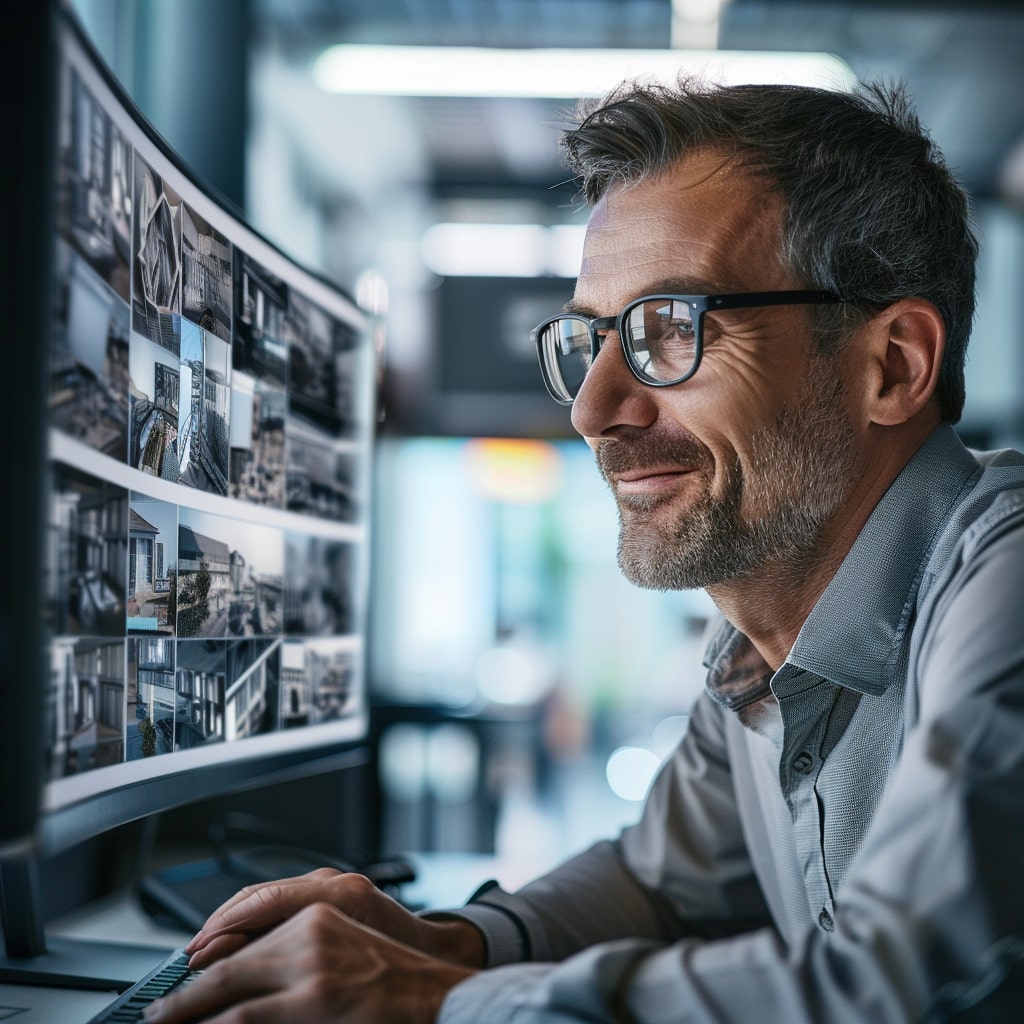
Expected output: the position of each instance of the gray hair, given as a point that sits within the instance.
(872, 211)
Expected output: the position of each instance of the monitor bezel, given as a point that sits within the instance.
(63, 823)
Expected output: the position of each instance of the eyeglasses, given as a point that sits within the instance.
(662, 337)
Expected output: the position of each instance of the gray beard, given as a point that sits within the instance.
(798, 477)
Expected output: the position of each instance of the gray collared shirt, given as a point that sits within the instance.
(860, 856)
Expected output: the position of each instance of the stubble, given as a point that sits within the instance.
(796, 478)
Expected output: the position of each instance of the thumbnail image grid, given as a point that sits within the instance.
(182, 355)
(177, 628)
(179, 356)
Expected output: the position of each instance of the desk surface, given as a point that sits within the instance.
(117, 919)
(443, 880)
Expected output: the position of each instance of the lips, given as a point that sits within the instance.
(649, 462)
(647, 473)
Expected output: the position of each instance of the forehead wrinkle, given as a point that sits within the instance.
(706, 226)
(666, 286)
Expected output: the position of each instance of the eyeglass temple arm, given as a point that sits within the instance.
(742, 300)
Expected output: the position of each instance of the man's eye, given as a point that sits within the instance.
(682, 329)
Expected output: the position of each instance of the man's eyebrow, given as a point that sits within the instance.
(668, 286)
(577, 307)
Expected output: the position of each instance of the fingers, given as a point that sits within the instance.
(224, 985)
(258, 908)
(299, 964)
(216, 949)
(319, 967)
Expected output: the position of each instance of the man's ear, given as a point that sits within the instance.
(905, 345)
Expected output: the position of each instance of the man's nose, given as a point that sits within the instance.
(610, 395)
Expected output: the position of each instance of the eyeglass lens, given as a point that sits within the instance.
(565, 355)
(662, 338)
(659, 337)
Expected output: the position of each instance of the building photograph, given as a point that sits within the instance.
(151, 700)
(152, 565)
(313, 378)
(199, 693)
(205, 401)
(261, 306)
(318, 681)
(95, 181)
(257, 437)
(85, 706)
(320, 476)
(230, 577)
(88, 540)
(251, 697)
(333, 669)
(206, 286)
(89, 360)
(350, 352)
(154, 404)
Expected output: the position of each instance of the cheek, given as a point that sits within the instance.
(724, 418)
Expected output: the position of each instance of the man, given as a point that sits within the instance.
(765, 352)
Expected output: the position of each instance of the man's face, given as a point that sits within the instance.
(741, 466)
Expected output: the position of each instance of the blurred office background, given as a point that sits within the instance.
(524, 693)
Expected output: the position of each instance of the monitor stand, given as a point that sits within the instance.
(32, 959)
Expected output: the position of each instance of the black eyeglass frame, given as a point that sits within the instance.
(699, 304)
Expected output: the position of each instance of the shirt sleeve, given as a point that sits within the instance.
(930, 921)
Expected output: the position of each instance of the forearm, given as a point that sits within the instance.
(589, 899)
(682, 870)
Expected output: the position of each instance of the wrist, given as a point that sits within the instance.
(458, 941)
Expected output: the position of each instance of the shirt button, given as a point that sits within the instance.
(826, 922)
(802, 762)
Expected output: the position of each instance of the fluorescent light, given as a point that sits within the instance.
(502, 250)
(556, 73)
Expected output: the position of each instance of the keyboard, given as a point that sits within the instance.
(171, 972)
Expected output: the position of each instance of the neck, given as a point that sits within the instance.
(770, 607)
(771, 604)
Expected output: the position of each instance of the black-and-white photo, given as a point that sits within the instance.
(257, 442)
(321, 478)
(313, 372)
(95, 184)
(205, 275)
(199, 693)
(156, 274)
(252, 694)
(319, 682)
(153, 406)
(319, 587)
(261, 307)
(351, 351)
(89, 544)
(85, 705)
(89, 374)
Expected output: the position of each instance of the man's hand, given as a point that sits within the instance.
(257, 909)
(318, 967)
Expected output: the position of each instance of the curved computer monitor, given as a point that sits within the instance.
(195, 461)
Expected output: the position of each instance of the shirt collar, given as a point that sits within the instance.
(855, 633)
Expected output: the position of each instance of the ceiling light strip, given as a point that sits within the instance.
(556, 73)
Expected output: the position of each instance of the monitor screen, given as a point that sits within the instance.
(203, 480)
